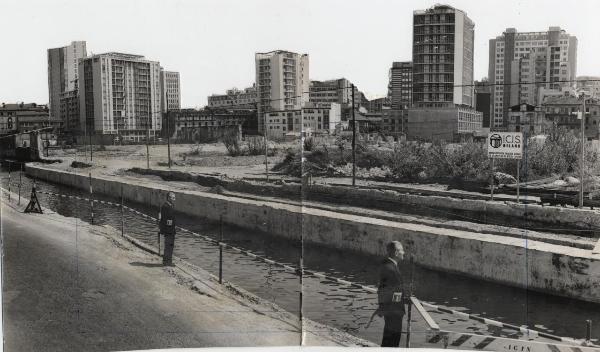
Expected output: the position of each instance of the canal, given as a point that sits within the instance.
(343, 307)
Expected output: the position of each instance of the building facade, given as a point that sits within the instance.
(540, 60)
(400, 85)
(483, 101)
(377, 105)
(528, 119)
(208, 125)
(241, 99)
(282, 82)
(63, 78)
(338, 91)
(449, 124)
(171, 95)
(306, 121)
(26, 117)
(589, 84)
(562, 112)
(393, 121)
(120, 95)
(443, 97)
(443, 44)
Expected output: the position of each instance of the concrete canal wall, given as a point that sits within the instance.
(390, 200)
(549, 268)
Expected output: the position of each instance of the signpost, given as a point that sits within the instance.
(505, 145)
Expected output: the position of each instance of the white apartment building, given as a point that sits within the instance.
(282, 82)
(306, 121)
(120, 95)
(540, 60)
(171, 95)
(63, 74)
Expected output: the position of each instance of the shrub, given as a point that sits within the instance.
(309, 144)
(406, 161)
(372, 158)
(255, 146)
(232, 143)
(80, 165)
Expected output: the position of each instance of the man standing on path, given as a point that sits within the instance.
(166, 221)
(391, 295)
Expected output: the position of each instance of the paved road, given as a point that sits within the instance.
(67, 287)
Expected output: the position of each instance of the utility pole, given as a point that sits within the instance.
(353, 140)
(266, 145)
(169, 138)
(90, 142)
(148, 131)
(582, 154)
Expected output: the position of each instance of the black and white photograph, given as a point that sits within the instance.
(300, 174)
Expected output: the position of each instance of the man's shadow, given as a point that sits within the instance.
(147, 265)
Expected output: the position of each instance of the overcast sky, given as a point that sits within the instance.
(212, 43)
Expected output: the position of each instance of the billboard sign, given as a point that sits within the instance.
(505, 145)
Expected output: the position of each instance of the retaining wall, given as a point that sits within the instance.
(479, 210)
(554, 269)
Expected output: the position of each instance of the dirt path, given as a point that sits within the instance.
(69, 286)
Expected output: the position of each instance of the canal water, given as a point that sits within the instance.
(343, 307)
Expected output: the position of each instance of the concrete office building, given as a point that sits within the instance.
(538, 59)
(234, 99)
(171, 95)
(63, 75)
(377, 105)
(306, 121)
(442, 57)
(455, 124)
(120, 96)
(282, 82)
(337, 91)
(400, 85)
(443, 95)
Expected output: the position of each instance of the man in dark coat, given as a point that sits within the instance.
(390, 294)
(166, 223)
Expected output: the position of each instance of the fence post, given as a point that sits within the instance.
(9, 167)
(122, 214)
(588, 330)
(20, 183)
(301, 296)
(492, 185)
(220, 249)
(91, 200)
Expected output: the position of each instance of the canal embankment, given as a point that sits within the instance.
(129, 300)
(520, 262)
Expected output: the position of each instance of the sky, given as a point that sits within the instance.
(212, 42)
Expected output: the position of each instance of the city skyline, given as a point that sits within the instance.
(214, 55)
